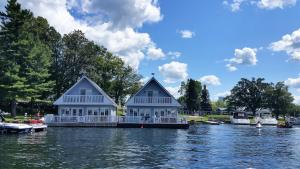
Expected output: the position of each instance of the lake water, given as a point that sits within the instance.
(201, 146)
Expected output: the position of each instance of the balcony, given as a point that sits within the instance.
(83, 99)
(152, 100)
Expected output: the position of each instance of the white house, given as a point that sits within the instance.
(84, 102)
(152, 104)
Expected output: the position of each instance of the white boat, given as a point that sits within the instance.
(17, 128)
(265, 117)
(38, 127)
(294, 120)
(240, 118)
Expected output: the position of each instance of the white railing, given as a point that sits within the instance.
(83, 99)
(81, 119)
(152, 120)
(155, 100)
(114, 119)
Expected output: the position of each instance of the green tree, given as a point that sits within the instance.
(205, 101)
(192, 95)
(249, 94)
(12, 83)
(279, 98)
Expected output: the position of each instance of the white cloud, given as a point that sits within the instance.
(289, 43)
(221, 94)
(187, 34)
(111, 23)
(155, 53)
(173, 72)
(293, 82)
(231, 68)
(272, 4)
(174, 91)
(296, 99)
(174, 55)
(235, 5)
(145, 80)
(245, 56)
(210, 80)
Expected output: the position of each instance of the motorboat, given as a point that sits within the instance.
(240, 118)
(17, 128)
(38, 127)
(294, 120)
(265, 118)
(14, 127)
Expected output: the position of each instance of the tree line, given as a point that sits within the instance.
(255, 94)
(37, 64)
(247, 95)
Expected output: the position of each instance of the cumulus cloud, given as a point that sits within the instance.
(296, 99)
(174, 91)
(210, 80)
(235, 5)
(272, 4)
(187, 34)
(111, 23)
(293, 82)
(173, 72)
(289, 43)
(244, 56)
(155, 53)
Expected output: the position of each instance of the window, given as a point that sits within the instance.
(67, 112)
(62, 111)
(106, 112)
(135, 113)
(90, 112)
(95, 112)
(74, 112)
(102, 112)
(82, 91)
(162, 113)
(131, 112)
(150, 93)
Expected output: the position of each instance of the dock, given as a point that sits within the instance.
(116, 122)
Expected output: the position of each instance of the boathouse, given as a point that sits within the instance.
(153, 104)
(85, 103)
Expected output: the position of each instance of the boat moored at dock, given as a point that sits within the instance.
(265, 118)
(240, 118)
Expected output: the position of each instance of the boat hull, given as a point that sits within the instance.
(239, 121)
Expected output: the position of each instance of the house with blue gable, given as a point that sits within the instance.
(152, 104)
(84, 102)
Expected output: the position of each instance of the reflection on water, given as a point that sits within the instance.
(202, 146)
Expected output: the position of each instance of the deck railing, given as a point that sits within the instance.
(83, 99)
(115, 119)
(152, 120)
(155, 100)
(81, 119)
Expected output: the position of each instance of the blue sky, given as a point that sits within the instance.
(215, 41)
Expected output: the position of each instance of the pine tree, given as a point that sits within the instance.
(11, 82)
(205, 101)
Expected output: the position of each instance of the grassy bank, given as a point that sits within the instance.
(224, 118)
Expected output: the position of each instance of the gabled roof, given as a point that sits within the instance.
(174, 101)
(111, 102)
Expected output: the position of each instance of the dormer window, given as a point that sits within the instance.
(84, 91)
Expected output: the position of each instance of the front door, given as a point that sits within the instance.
(81, 118)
